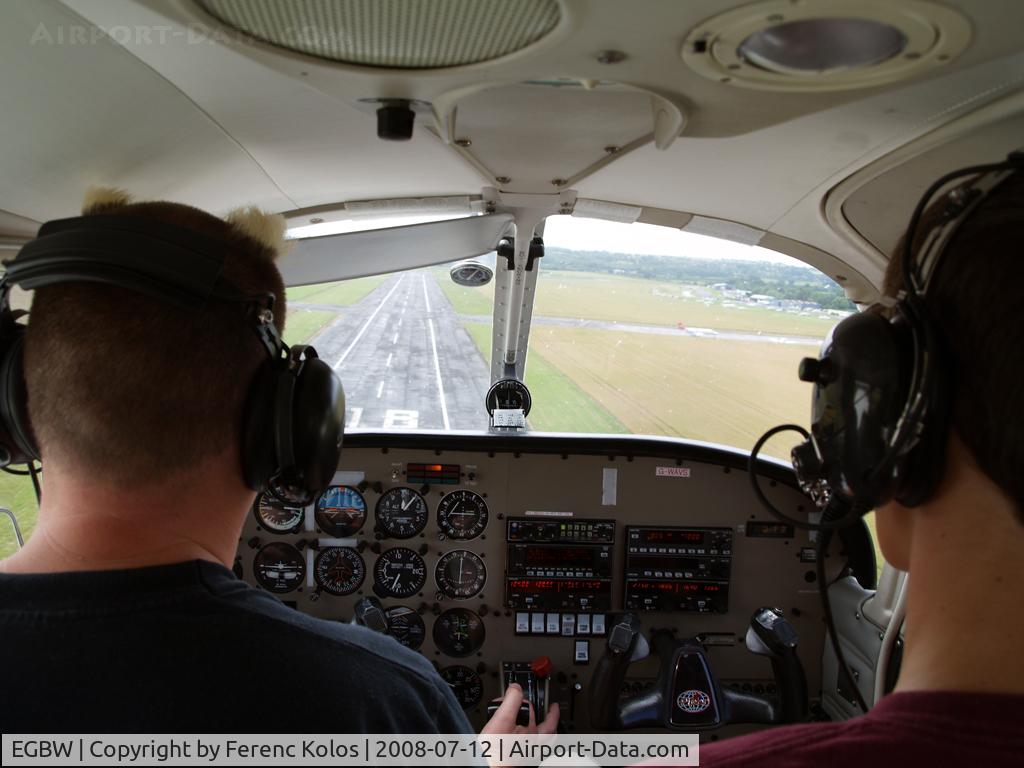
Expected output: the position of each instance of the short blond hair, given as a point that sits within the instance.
(135, 390)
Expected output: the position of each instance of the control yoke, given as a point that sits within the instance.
(687, 695)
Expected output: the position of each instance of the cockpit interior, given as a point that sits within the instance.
(566, 257)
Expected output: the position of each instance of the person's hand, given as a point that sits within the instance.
(504, 720)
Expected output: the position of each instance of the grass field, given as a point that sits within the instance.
(341, 293)
(721, 391)
(558, 404)
(596, 296)
(17, 495)
(466, 301)
(304, 324)
(650, 302)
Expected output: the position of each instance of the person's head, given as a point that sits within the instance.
(125, 389)
(974, 305)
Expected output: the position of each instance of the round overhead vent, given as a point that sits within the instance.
(397, 34)
(816, 46)
(825, 45)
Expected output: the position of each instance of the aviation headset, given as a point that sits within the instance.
(881, 403)
(293, 419)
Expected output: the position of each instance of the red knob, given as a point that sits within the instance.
(542, 667)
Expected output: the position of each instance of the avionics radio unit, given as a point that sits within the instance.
(678, 569)
(559, 565)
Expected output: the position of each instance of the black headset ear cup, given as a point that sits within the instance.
(920, 472)
(318, 422)
(259, 455)
(859, 395)
(17, 436)
(293, 425)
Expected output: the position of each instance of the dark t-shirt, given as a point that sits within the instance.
(188, 648)
(933, 728)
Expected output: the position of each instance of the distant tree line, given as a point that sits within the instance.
(780, 281)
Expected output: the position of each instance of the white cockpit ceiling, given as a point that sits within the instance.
(168, 104)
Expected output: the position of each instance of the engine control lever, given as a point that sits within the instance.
(370, 614)
(770, 634)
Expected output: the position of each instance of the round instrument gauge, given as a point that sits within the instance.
(402, 513)
(399, 572)
(508, 394)
(277, 516)
(279, 567)
(339, 570)
(406, 626)
(465, 684)
(340, 511)
(459, 632)
(462, 515)
(460, 574)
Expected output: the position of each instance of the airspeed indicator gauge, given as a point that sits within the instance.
(277, 516)
(508, 394)
(462, 515)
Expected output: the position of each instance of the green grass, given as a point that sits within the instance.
(304, 324)
(721, 391)
(341, 293)
(558, 404)
(17, 495)
(466, 301)
(597, 296)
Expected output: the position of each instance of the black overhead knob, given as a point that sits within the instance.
(395, 120)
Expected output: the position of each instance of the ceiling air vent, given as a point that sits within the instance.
(825, 45)
(396, 34)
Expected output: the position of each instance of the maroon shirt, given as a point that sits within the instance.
(928, 728)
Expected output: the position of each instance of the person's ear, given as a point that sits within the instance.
(894, 525)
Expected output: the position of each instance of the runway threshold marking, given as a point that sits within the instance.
(353, 422)
(437, 363)
(366, 325)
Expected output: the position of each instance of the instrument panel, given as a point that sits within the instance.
(488, 553)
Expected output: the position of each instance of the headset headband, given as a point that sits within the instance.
(161, 260)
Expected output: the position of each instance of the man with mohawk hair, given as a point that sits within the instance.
(122, 614)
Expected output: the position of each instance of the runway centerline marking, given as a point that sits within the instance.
(366, 325)
(380, 389)
(425, 297)
(388, 363)
(394, 339)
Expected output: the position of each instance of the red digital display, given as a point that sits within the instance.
(552, 586)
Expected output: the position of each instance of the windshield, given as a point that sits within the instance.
(637, 329)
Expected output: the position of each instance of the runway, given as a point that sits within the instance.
(405, 360)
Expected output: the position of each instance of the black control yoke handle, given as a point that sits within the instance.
(687, 695)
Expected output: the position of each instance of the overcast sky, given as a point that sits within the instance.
(590, 235)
